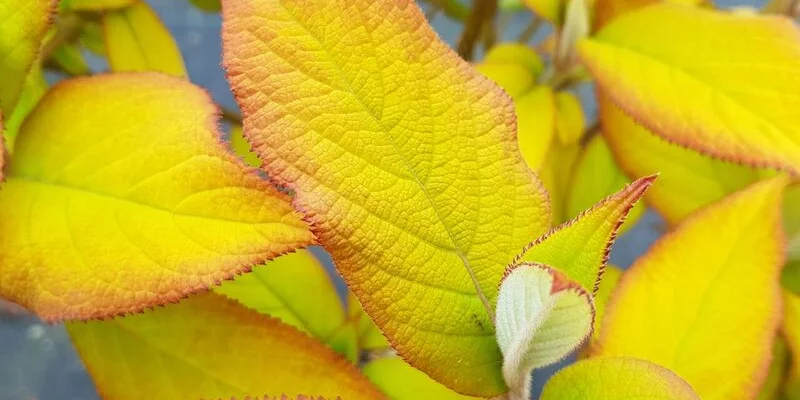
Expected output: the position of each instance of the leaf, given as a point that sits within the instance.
(404, 159)
(542, 316)
(69, 57)
(616, 378)
(611, 276)
(596, 176)
(556, 174)
(137, 40)
(23, 25)
(774, 383)
(296, 289)
(688, 180)
(791, 330)
(95, 5)
(570, 121)
(513, 78)
(211, 6)
(706, 311)
(369, 336)
(91, 37)
(515, 54)
(537, 118)
(401, 381)
(692, 92)
(114, 206)
(550, 10)
(210, 347)
(579, 248)
(242, 148)
(32, 91)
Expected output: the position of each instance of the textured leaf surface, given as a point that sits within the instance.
(579, 248)
(728, 100)
(211, 347)
(137, 40)
(617, 378)
(542, 316)
(23, 24)
(117, 205)
(707, 311)
(405, 159)
(400, 381)
(687, 180)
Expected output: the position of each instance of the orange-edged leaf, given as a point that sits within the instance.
(405, 160)
(114, 206)
(617, 378)
(707, 312)
(729, 101)
(401, 381)
(210, 347)
(137, 40)
(687, 180)
(296, 289)
(23, 25)
(536, 125)
(579, 248)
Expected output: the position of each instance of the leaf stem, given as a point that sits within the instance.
(483, 12)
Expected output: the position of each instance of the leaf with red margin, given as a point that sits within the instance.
(208, 346)
(115, 206)
(405, 160)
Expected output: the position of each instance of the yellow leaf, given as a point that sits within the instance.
(707, 312)
(23, 25)
(32, 91)
(294, 288)
(95, 5)
(580, 247)
(722, 97)
(117, 205)
(513, 78)
(611, 276)
(242, 148)
(137, 40)
(516, 54)
(687, 180)
(537, 119)
(570, 121)
(550, 10)
(70, 59)
(210, 347)
(369, 336)
(596, 176)
(616, 378)
(401, 381)
(406, 161)
(556, 174)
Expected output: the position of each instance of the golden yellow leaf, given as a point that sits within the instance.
(513, 78)
(516, 54)
(570, 121)
(211, 347)
(405, 160)
(536, 125)
(556, 174)
(707, 312)
(137, 40)
(729, 101)
(611, 276)
(118, 205)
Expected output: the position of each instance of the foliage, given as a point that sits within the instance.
(469, 206)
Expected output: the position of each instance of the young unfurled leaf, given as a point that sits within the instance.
(707, 312)
(137, 40)
(542, 316)
(296, 289)
(688, 180)
(114, 206)
(401, 381)
(211, 347)
(404, 158)
(579, 248)
(536, 125)
(679, 82)
(596, 176)
(23, 24)
(95, 5)
(616, 378)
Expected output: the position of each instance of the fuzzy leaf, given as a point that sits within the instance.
(728, 100)
(403, 157)
(23, 25)
(579, 248)
(137, 40)
(707, 312)
(542, 316)
(114, 206)
(617, 378)
(688, 180)
(401, 381)
(210, 347)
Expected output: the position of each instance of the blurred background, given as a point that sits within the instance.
(37, 361)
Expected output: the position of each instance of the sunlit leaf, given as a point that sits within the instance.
(210, 347)
(401, 381)
(242, 148)
(536, 125)
(707, 311)
(516, 54)
(580, 247)
(137, 40)
(617, 378)
(542, 316)
(611, 276)
(556, 174)
(513, 78)
(404, 158)
(23, 24)
(570, 121)
(32, 91)
(113, 206)
(729, 101)
(369, 336)
(550, 10)
(687, 180)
